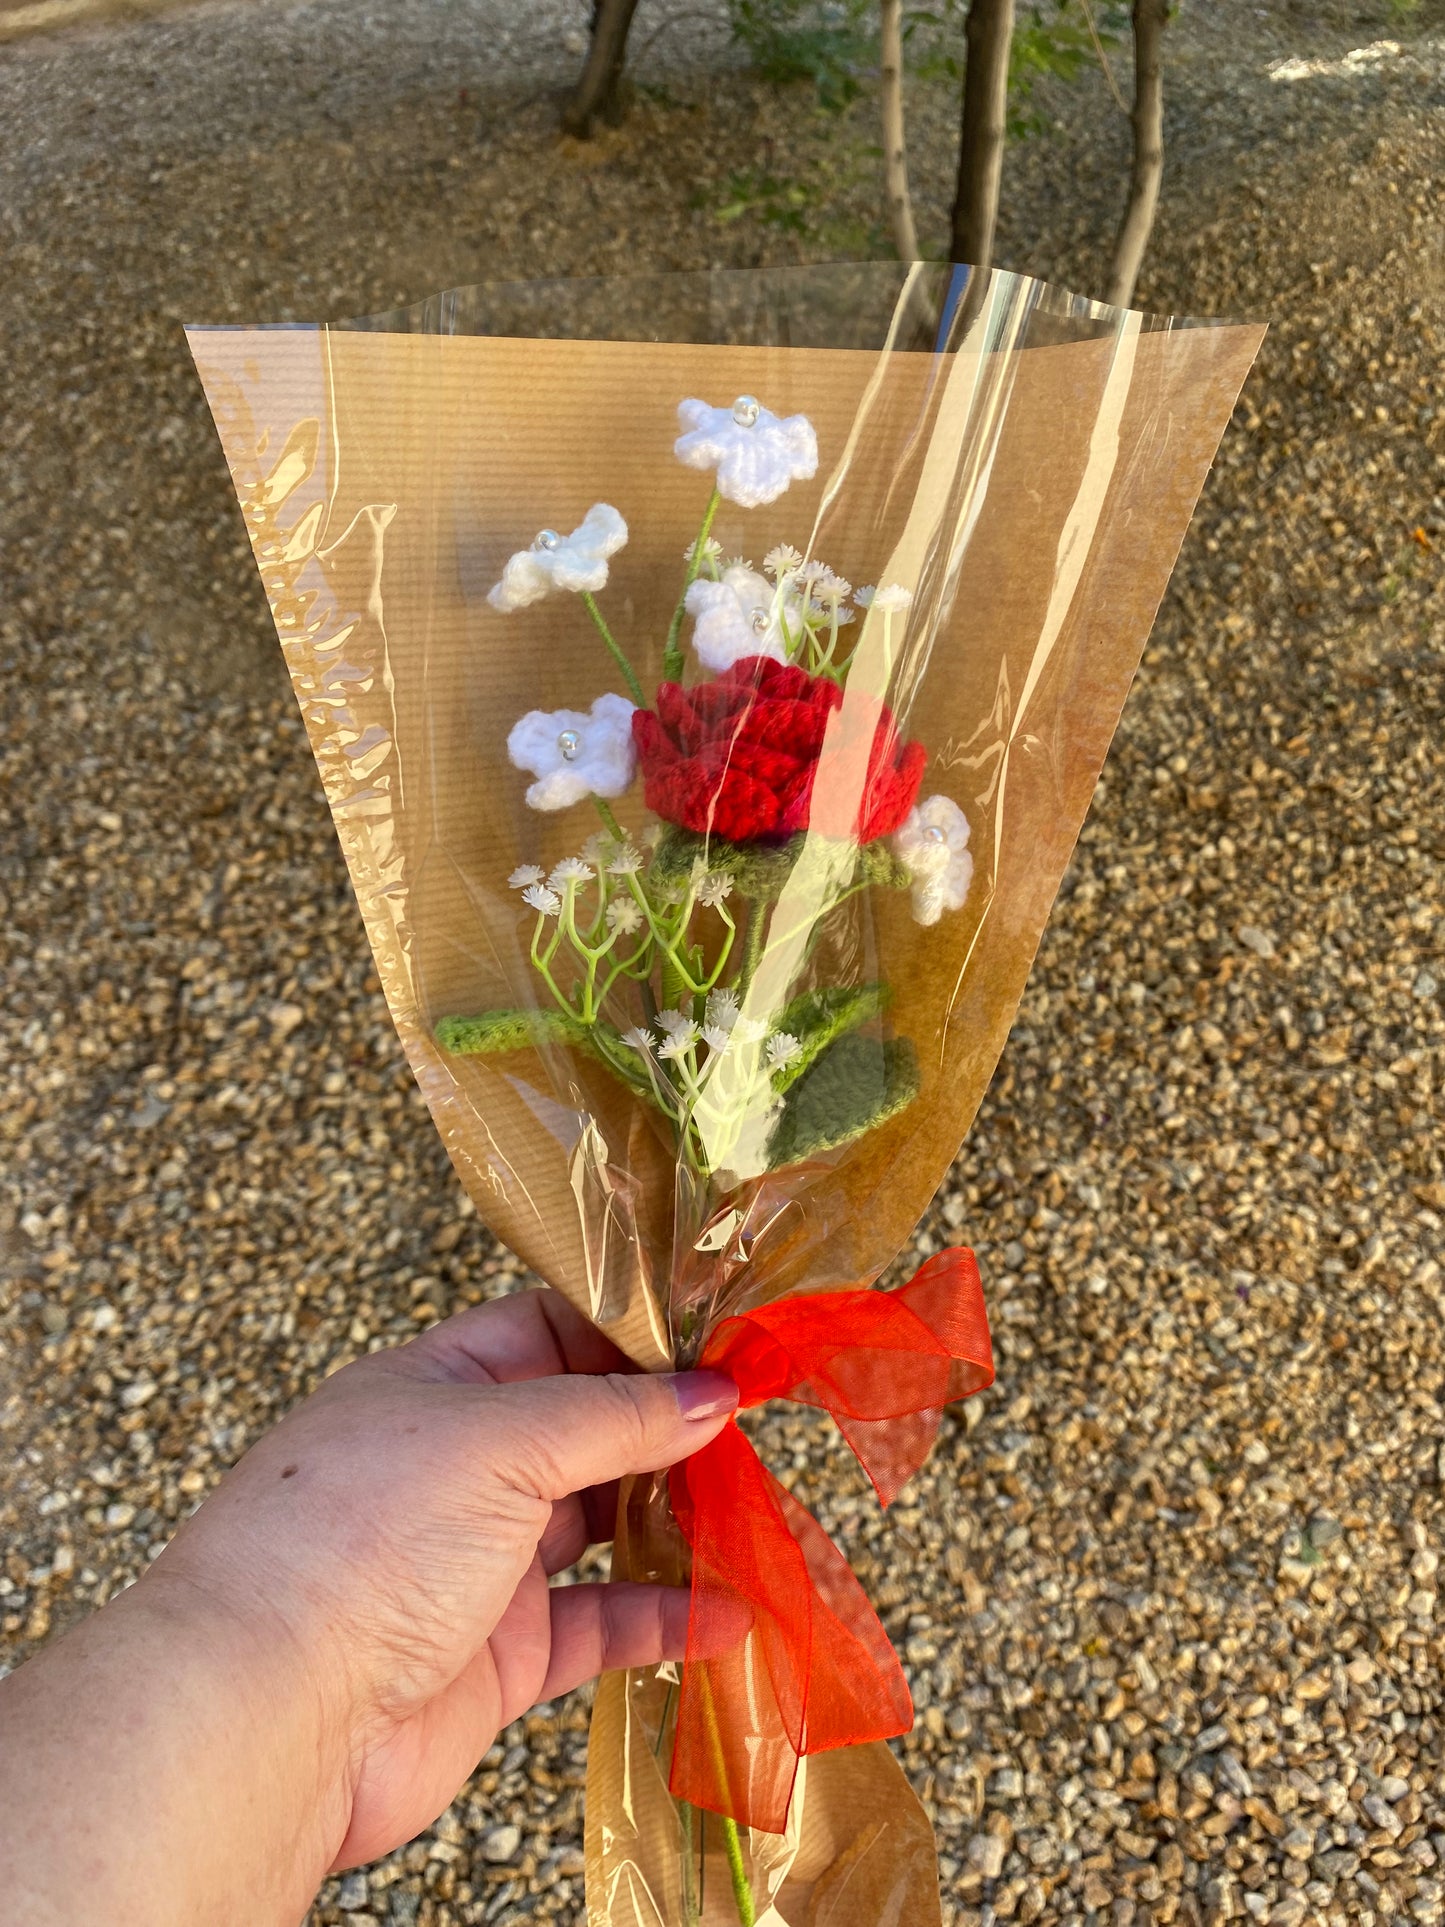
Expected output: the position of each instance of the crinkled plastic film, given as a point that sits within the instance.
(1026, 463)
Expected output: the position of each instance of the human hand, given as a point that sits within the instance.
(396, 1532)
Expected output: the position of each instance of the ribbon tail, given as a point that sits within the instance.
(785, 1655)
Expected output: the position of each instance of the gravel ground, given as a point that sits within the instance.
(1168, 1594)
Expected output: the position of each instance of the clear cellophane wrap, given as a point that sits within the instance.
(1027, 462)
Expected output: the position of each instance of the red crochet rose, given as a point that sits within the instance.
(737, 757)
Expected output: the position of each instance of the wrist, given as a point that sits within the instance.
(268, 1669)
(165, 1764)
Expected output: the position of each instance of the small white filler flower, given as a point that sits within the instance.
(544, 901)
(574, 755)
(782, 1048)
(624, 916)
(577, 561)
(781, 561)
(934, 844)
(734, 619)
(887, 601)
(756, 453)
(723, 1009)
(680, 1042)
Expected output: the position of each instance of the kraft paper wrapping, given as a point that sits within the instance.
(1033, 488)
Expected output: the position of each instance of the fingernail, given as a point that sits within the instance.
(704, 1394)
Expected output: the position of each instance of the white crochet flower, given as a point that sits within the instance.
(756, 453)
(734, 619)
(934, 844)
(576, 561)
(574, 755)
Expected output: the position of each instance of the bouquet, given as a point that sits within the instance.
(703, 884)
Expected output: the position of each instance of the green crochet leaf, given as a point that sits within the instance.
(854, 1086)
(504, 1030)
(817, 1017)
(878, 865)
(758, 870)
(499, 1030)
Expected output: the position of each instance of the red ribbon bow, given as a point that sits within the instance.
(785, 1656)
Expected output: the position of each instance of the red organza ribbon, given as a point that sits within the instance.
(785, 1656)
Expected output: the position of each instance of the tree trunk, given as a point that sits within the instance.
(895, 156)
(985, 112)
(1148, 169)
(602, 89)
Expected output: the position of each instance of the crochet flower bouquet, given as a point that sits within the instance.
(703, 885)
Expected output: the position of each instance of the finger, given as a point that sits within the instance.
(565, 1537)
(580, 1520)
(531, 1334)
(554, 1436)
(596, 1629)
(520, 1643)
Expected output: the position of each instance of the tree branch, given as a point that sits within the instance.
(601, 89)
(985, 113)
(1148, 169)
(895, 157)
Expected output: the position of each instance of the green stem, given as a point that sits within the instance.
(691, 1911)
(742, 1891)
(610, 822)
(752, 949)
(710, 982)
(816, 916)
(542, 959)
(590, 604)
(672, 655)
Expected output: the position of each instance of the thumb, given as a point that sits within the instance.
(559, 1435)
